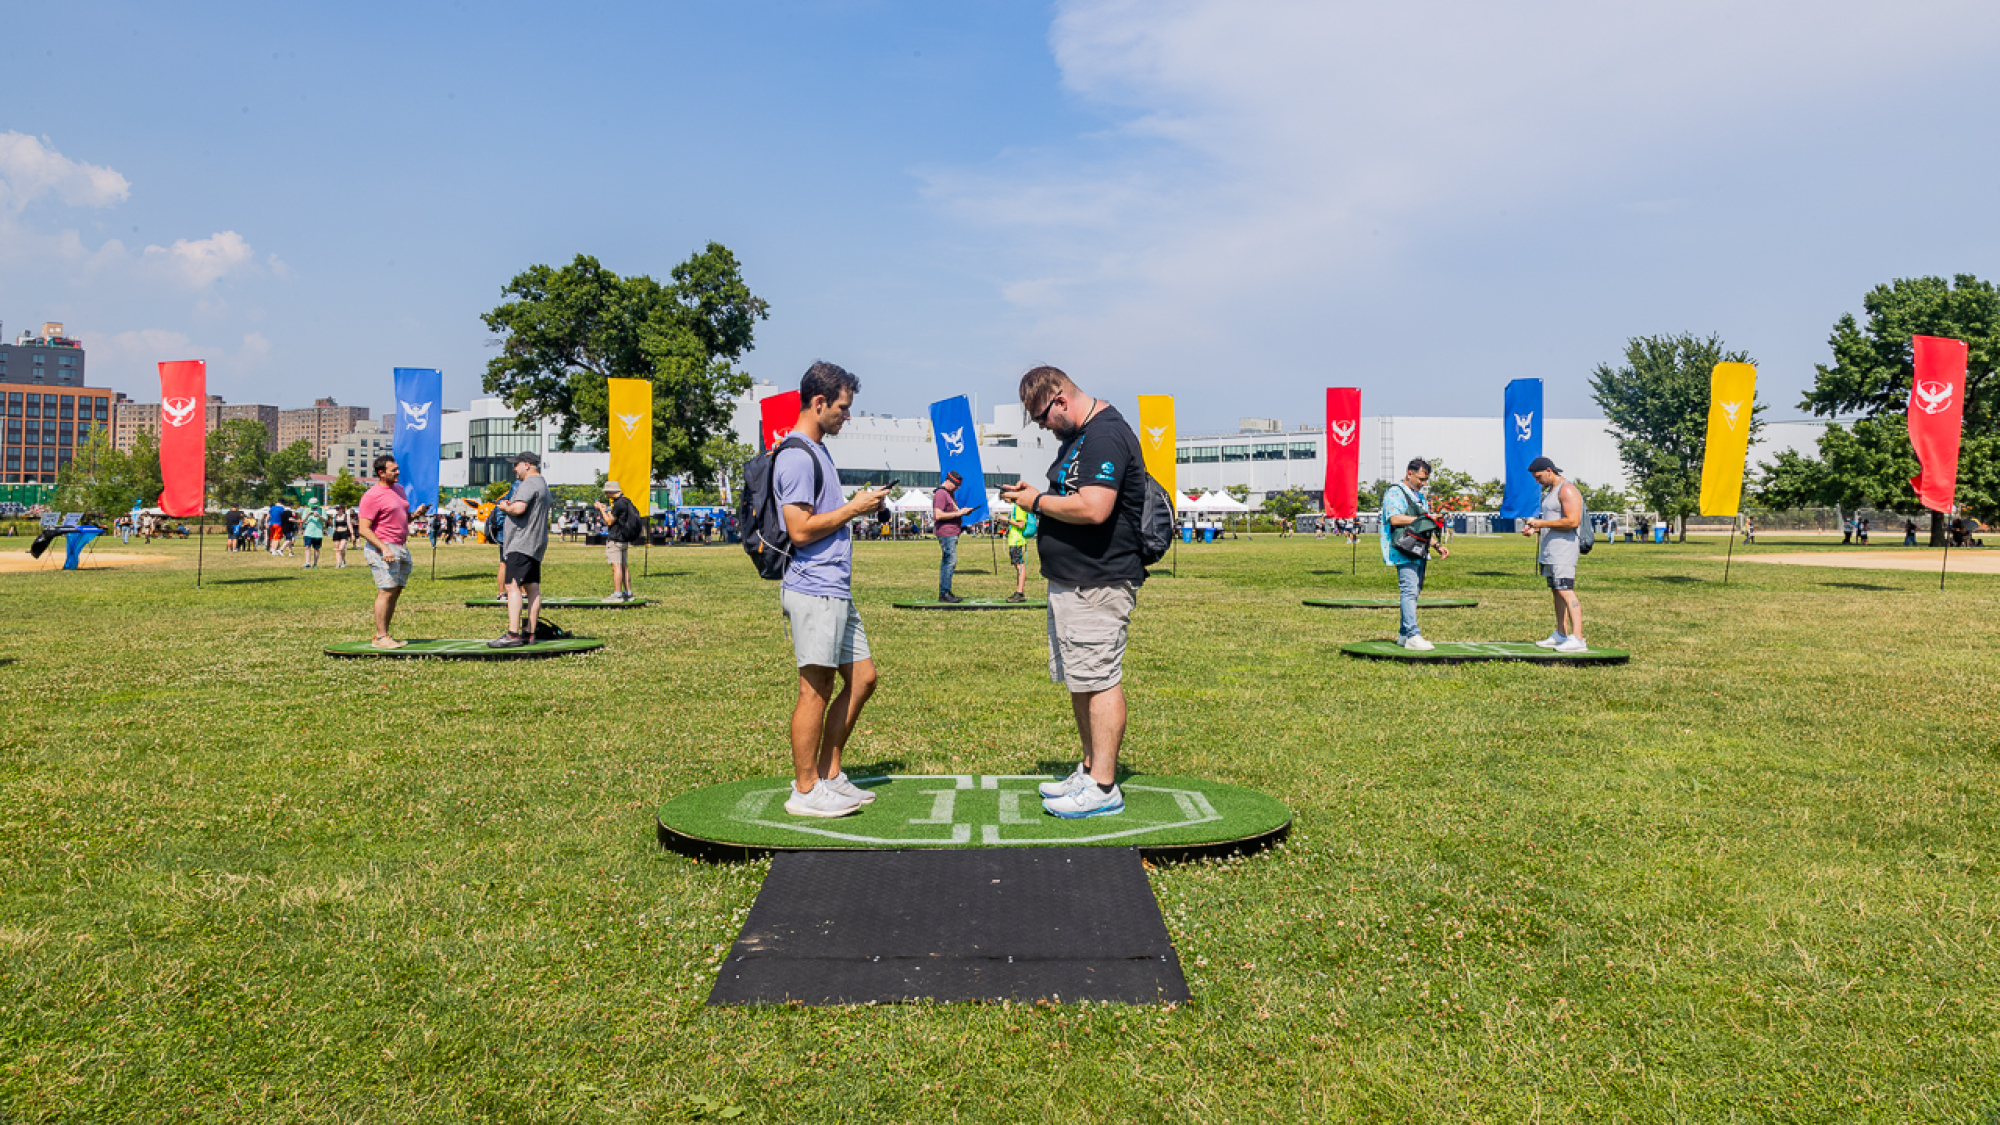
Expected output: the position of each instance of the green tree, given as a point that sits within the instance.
(99, 480)
(345, 490)
(1869, 462)
(242, 472)
(729, 456)
(1605, 499)
(1287, 504)
(494, 490)
(563, 332)
(1239, 492)
(1657, 404)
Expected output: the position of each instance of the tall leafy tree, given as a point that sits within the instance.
(1869, 462)
(563, 332)
(345, 490)
(101, 479)
(1657, 404)
(241, 471)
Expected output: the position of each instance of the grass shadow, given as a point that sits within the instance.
(1500, 574)
(863, 770)
(259, 578)
(1675, 579)
(1856, 585)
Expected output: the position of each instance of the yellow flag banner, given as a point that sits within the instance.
(1732, 392)
(1156, 439)
(632, 440)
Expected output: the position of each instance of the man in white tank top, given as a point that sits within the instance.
(1561, 516)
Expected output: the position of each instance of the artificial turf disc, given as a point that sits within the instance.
(1468, 652)
(1164, 817)
(468, 649)
(1389, 603)
(972, 603)
(564, 603)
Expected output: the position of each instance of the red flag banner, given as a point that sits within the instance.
(780, 413)
(1343, 451)
(1937, 406)
(183, 436)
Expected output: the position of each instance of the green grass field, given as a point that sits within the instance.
(1747, 877)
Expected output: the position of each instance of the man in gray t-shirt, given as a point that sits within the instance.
(1560, 518)
(522, 545)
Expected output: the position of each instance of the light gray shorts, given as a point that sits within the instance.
(1087, 634)
(617, 553)
(392, 573)
(1561, 576)
(826, 632)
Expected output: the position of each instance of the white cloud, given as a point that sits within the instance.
(138, 350)
(1262, 149)
(202, 262)
(30, 169)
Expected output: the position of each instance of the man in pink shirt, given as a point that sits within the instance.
(385, 531)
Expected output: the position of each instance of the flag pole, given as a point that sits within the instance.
(1730, 557)
(1946, 557)
(201, 541)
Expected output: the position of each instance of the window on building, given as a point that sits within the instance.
(62, 437)
(1268, 451)
(68, 361)
(68, 406)
(34, 406)
(63, 457)
(1304, 451)
(1235, 453)
(451, 451)
(1204, 454)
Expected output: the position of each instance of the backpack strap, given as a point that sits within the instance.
(794, 441)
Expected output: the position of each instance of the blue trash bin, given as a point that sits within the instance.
(1660, 533)
(1187, 535)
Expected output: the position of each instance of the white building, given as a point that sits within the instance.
(1267, 459)
(477, 447)
(356, 451)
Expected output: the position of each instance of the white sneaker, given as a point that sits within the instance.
(1088, 800)
(613, 599)
(821, 800)
(1553, 640)
(1415, 642)
(1067, 785)
(847, 788)
(1573, 644)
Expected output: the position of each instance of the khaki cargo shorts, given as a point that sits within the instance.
(1087, 628)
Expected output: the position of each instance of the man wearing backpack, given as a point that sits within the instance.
(623, 526)
(522, 546)
(817, 596)
(1403, 507)
(1090, 546)
(1560, 518)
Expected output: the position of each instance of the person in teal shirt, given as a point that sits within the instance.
(315, 531)
(1402, 504)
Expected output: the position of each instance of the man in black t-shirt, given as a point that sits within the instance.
(1089, 547)
(623, 526)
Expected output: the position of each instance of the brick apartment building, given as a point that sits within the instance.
(322, 424)
(128, 418)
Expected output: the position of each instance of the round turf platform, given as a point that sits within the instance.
(467, 649)
(1468, 652)
(563, 603)
(1166, 818)
(1389, 603)
(973, 603)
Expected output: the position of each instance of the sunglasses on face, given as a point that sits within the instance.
(1042, 419)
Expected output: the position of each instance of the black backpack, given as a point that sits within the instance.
(760, 515)
(1156, 523)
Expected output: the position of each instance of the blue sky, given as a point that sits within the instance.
(1234, 202)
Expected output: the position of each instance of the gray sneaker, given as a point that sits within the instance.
(1067, 785)
(822, 800)
(847, 788)
(1087, 801)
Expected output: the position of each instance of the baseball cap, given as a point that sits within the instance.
(530, 457)
(1540, 463)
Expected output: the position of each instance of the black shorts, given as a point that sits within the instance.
(523, 570)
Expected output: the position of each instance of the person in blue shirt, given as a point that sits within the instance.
(1402, 505)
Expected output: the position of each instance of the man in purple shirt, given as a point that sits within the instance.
(949, 519)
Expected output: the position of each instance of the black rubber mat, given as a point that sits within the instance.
(1057, 924)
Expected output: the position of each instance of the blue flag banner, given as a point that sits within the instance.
(419, 417)
(1523, 422)
(958, 452)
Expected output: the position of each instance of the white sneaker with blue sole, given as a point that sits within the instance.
(1086, 801)
(1068, 785)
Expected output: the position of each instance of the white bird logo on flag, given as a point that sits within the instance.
(1158, 432)
(1343, 432)
(1730, 409)
(954, 442)
(179, 409)
(1932, 397)
(631, 423)
(780, 435)
(416, 415)
(1524, 426)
